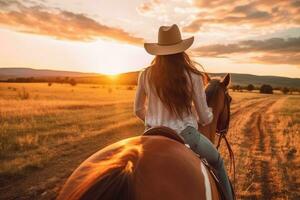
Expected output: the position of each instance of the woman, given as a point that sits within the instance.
(171, 85)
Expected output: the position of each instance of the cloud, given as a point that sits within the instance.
(59, 24)
(292, 59)
(148, 6)
(278, 45)
(273, 50)
(295, 3)
(211, 3)
(247, 8)
(263, 14)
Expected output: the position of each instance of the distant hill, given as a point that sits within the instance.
(29, 72)
(129, 78)
(276, 81)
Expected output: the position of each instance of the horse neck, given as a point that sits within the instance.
(210, 130)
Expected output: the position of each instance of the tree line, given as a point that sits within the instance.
(51, 80)
(264, 89)
(128, 80)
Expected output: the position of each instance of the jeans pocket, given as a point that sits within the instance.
(191, 136)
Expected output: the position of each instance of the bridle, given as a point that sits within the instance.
(223, 127)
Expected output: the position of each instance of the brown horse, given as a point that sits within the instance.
(144, 168)
(217, 97)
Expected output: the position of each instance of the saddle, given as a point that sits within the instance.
(164, 131)
(171, 134)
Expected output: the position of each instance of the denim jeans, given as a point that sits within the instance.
(202, 146)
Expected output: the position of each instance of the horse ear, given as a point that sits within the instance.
(226, 80)
(207, 76)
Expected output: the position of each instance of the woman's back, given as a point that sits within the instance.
(157, 113)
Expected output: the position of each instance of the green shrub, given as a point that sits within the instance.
(266, 89)
(250, 87)
(285, 90)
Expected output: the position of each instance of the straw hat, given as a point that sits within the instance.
(169, 42)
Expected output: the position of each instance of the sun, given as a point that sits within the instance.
(111, 71)
(112, 76)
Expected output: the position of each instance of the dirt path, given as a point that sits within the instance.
(259, 170)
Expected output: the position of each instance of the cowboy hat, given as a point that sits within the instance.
(169, 42)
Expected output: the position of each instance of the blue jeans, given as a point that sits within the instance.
(202, 146)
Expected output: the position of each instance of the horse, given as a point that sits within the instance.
(147, 167)
(217, 97)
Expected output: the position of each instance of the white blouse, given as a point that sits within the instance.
(156, 114)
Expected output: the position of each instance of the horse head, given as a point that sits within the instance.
(219, 100)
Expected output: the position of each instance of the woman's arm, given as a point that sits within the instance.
(140, 98)
(205, 114)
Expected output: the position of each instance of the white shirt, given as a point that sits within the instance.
(156, 114)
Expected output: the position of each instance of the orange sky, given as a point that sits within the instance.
(255, 37)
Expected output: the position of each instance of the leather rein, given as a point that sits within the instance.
(222, 130)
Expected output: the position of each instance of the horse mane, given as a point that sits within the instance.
(117, 184)
(113, 179)
(211, 88)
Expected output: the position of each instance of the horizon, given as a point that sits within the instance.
(245, 37)
(116, 74)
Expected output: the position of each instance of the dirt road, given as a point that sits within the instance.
(261, 169)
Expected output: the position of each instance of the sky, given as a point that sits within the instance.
(260, 37)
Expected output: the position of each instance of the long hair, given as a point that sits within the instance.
(170, 76)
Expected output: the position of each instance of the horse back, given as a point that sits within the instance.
(144, 167)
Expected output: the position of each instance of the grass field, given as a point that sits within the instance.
(47, 131)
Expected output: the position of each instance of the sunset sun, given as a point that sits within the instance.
(111, 72)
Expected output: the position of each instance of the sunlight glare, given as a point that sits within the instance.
(112, 76)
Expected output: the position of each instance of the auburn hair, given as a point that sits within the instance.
(169, 76)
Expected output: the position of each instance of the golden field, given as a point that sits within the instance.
(47, 131)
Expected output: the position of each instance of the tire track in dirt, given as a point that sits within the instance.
(248, 140)
(251, 144)
(285, 186)
(259, 181)
(239, 118)
(270, 178)
(244, 106)
(271, 175)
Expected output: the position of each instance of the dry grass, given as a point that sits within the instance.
(44, 136)
(31, 128)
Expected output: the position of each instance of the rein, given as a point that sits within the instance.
(222, 129)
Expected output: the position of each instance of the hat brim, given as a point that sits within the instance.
(156, 49)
